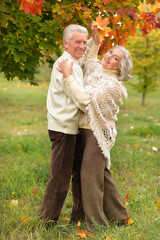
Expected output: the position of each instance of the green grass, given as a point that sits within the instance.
(25, 161)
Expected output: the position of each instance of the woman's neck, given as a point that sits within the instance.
(110, 72)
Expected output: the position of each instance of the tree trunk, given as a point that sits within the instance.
(143, 99)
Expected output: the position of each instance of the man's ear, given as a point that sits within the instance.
(65, 44)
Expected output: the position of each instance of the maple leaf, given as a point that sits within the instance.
(103, 30)
(31, 6)
(81, 233)
(34, 190)
(101, 23)
(126, 197)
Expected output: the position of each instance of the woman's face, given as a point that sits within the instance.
(112, 59)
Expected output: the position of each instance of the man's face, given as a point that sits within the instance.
(76, 45)
(112, 59)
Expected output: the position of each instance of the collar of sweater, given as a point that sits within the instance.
(72, 58)
(112, 73)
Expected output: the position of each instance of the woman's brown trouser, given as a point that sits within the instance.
(65, 161)
(100, 194)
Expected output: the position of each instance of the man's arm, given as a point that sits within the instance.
(69, 91)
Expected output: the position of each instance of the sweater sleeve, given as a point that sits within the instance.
(93, 53)
(78, 91)
(82, 60)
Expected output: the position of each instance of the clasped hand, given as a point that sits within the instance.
(65, 68)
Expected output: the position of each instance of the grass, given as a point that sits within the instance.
(25, 161)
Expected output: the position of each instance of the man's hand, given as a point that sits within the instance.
(64, 68)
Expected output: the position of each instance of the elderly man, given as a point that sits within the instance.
(63, 117)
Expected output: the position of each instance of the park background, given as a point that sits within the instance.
(25, 146)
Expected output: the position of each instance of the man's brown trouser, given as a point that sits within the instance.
(65, 161)
(100, 194)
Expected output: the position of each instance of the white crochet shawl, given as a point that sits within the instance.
(106, 94)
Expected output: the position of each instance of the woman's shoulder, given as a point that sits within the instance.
(92, 63)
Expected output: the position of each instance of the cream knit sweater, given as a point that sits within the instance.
(105, 94)
(63, 107)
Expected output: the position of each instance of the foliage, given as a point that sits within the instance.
(145, 54)
(26, 41)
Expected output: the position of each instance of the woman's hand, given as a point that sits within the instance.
(95, 34)
(65, 68)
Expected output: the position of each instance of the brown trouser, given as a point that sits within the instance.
(65, 161)
(100, 194)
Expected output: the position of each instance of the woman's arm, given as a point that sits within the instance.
(77, 90)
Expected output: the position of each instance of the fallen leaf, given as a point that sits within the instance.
(24, 219)
(78, 224)
(126, 204)
(150, 117)
(130, 222)
(34, 190)
(136, 146)
(21, 202)
(126, 197)
(81, 233)
(66, 218)
(154, 149)
(149, 153)
(158, 205)
(109, 238)
(14, 202)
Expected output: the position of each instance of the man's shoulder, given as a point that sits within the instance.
(63, 56)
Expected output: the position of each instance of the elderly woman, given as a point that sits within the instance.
(102, 96)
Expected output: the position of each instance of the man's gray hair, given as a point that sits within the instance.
(126, 65)
(68, 31)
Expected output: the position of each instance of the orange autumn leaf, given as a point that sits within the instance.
(126, 197)
(81, 233)
(109, 238)
(66, 218)
(103, 30)
(130, 222)
(78, 224)
(158, 205)
(31, 6)
(100, 22)
(136, 146)
(34, 190)
(24, 219)
(149, 153)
